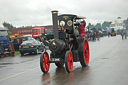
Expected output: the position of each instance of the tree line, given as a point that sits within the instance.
(99, 26)
(105, 24)
(10, 27)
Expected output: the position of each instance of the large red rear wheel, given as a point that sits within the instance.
(69, 61)
(84, 53)
(44, 64)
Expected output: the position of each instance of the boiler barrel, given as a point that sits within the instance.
(57, 45)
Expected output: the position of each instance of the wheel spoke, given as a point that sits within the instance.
(44, 66)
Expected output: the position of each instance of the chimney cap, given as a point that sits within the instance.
(54, 11)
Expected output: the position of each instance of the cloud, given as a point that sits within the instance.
(31, 12)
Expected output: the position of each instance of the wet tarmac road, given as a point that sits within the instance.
(108, 66)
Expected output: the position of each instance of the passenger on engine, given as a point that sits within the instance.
(82, 28)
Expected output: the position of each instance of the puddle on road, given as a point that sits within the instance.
(2, 66)
(105, 58)
(5, 63)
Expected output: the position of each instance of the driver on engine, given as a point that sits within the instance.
(81, 28)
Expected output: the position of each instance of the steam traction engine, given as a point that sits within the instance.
(67, 46)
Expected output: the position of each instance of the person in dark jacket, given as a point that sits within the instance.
(93, 36)
(109, 34)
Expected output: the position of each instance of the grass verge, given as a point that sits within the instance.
(17, 52)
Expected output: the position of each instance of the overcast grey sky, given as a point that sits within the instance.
(38, 12)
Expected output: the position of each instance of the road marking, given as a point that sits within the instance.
(18, 74)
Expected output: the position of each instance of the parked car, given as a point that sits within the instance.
(18, 40)
(31, 46)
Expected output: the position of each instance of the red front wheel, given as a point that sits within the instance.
(69, 61)
(44, 64)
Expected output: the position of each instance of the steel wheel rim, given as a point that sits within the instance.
(45, 62)
(70, 61)
(86, 52)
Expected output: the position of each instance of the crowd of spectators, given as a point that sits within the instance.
(92, 36)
